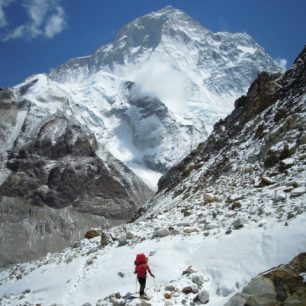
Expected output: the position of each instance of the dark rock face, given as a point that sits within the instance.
(284, 285)
(65, 171)
(273, 100)
(50, 162)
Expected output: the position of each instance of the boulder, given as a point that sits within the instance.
(160, 233)
(195, 288)
(190, 270)
(286, 163)
(187, 290)
(76, 244)
(298, 192)
(90, 260)
(235, 205)
(202, 297)
(167, 295)
(104, 239)
(303, 156)
(237, 300)
(209, 198)
(187, 212)
(294, 183)
(190, 230)
(238, 223)
(262, 289)
(170, 288)
(233, 198)
(122, 241)
(228, 231)
(303, 139)
(267, 180)
(129, 235)
(198, 279)
(93, 233)
(279, 196)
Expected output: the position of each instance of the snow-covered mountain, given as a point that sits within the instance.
(235, 207)
(194, 73)
(86, 138)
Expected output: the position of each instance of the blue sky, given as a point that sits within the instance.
(38, 35)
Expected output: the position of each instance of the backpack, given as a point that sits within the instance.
(141, 270)
(140, 259)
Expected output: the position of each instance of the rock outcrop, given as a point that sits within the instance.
(50, 162)
(284, 285)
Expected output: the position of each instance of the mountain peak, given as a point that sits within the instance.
(168, 11)
(148, 30)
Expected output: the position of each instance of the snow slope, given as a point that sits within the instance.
(89, 273)
(193, 73)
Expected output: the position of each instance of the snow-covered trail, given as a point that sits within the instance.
(227, 262)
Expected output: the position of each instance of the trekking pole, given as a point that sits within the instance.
(136, 284)
(156, 289)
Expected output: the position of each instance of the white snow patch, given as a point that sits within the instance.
(225, 262)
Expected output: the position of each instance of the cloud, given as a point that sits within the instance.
(45, 18)
(282, 62)
(159, 79)
(3, 20)
(56, 23)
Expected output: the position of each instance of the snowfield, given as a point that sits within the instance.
(89, 273)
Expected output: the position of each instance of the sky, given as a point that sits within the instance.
(39, 35)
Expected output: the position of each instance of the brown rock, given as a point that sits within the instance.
(93, 233)
(187, 290)
(235, 205)
(283, 285)
(209, 198)
(189, 271)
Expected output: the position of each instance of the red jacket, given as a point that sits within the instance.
(141, 270)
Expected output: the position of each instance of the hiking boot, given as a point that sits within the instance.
(144, 297)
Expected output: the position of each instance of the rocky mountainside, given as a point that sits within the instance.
(54, 185)
(260, 144)
(222, 219)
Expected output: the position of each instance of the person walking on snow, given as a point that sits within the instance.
(141, 269)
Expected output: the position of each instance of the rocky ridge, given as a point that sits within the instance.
(263, 137)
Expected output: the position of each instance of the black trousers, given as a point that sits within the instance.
(142, 282)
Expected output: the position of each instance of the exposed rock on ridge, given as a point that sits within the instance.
(270, 114)
(284, 285)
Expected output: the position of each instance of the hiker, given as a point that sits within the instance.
(141, 268)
